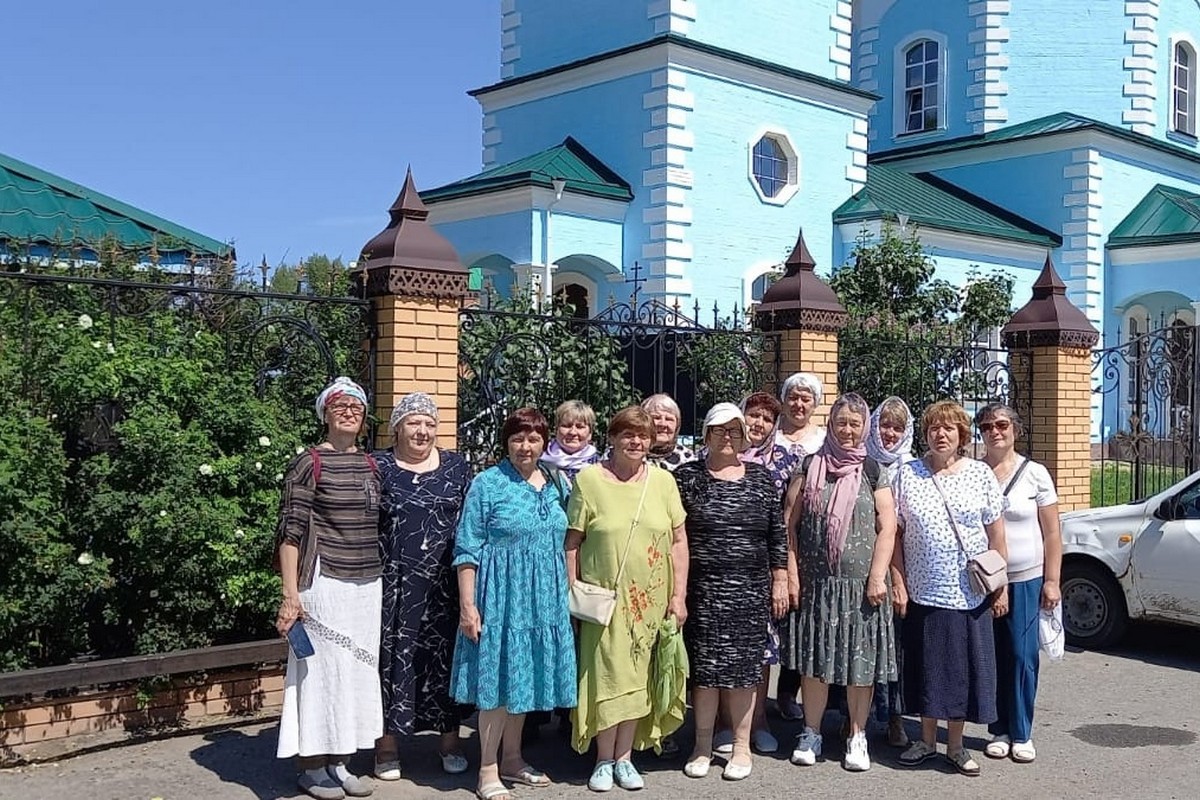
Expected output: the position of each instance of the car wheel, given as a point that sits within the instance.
(1094, 611)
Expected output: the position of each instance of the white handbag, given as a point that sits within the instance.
(596, 604)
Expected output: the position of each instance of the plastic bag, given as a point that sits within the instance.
(1051, 638)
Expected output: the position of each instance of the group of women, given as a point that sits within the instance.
(561, 579)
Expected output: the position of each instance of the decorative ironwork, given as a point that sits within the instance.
(286, 338)
(922, 367)
(630, 350)
(1145, 396)
(410, 282)
(1067, 340)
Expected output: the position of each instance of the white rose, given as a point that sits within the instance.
(258, 465)
(239, 533)
(110, 349)
(299, 449)
(61, 326)
(85, 321)
(206, 469)
(278, 476)
(162, 513)
(85, 558)
(264, 441)
(96, 345)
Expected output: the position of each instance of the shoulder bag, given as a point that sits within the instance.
(987, 571)
(595, 604)
(1016, 476)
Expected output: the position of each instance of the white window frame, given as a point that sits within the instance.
(752, 274)
(787, 145)
(1190, 90)
(900, 84)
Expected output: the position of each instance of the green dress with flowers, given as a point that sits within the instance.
(615, 661)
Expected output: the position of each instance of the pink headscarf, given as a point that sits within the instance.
(846, 465)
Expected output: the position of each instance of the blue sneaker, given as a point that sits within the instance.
(602, 777)
(628, 777)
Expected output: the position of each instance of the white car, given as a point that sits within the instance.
(1140, 560)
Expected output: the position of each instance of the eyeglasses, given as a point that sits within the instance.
(999, 424)
(732, 434)
(347, 409)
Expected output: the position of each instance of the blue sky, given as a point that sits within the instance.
(283, 126)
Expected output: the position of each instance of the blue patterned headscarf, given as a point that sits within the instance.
(341, 387)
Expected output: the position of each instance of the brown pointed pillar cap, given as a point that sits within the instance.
(800, 299)
(409, 257)
(1049, 319)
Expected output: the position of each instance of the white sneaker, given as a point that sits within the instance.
(856, 758)
(808, 748)
(723, 742)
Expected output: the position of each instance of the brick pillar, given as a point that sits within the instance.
(417, 286)
(1049, 342)
(806, 314)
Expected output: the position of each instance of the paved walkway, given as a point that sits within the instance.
(1122, 723)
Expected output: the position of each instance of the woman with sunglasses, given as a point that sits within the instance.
(1034, 562)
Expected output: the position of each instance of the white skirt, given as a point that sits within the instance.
(331, 700)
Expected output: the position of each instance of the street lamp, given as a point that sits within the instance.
(263, 268)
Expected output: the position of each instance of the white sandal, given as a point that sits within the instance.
(1023, 752)
(998, 747)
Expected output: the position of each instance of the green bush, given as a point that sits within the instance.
(143, 437)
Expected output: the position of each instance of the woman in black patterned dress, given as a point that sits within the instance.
(423, 491)
(737, 579)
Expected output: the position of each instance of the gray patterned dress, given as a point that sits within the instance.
(837, 636)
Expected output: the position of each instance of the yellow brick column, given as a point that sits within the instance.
(1049, 342)
(417, 285)
(805, 315)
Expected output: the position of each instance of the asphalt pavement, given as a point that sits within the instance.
(1120, 723)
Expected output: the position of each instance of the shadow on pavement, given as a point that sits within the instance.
(1160, 644)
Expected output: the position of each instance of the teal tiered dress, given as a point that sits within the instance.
(525, 658)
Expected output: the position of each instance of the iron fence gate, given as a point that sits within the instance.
(924, 366)
(1146, 434)
(509, 359)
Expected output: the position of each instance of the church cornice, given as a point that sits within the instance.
(679, 51)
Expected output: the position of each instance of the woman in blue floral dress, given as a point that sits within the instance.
(515, 651)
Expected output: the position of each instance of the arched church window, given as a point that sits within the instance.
(1183, 89)
(575, 296)
(922, 90)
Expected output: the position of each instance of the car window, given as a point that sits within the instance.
(1187, 503)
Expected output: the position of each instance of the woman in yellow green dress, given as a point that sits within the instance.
(625, 532)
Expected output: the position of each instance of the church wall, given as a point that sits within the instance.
(539, 34)
(813, 36)
(732, 229)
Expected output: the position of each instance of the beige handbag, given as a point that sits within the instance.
(595, 604)
(987, 571)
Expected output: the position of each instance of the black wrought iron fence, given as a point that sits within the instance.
(510, 359)
(1146, 389)
(924, 365)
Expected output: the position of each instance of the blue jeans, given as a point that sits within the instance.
(1017, 658)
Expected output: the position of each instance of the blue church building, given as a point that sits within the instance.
(691, 139)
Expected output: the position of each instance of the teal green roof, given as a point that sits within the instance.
(1044, 126)
(37, 207)
(1164, 216)
(584, 173)
(932, 202)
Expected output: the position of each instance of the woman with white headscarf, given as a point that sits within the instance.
(329, 562)
(424, 488)
(889, 444)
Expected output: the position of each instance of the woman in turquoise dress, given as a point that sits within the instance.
(515, 652)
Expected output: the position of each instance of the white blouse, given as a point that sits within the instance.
(935, 566)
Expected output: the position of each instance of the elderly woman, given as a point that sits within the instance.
(666, 451)
(625, 533)
(737, 579)
(844, 527)
(423, 491)
(950, 510)
(571, 449)
(515, 652)
(889, 444)
(330, 566)
(1031, 529)
(799, 435)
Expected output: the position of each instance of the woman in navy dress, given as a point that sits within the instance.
(423, 492)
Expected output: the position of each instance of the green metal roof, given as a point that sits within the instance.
(1044, 126)
(932, 202)
(1164, 216)
(584, 173)
(38, 207)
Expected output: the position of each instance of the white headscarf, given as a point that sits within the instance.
(802, 380)
(341, 387)
(902, 451)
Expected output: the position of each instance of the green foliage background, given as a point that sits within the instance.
(155, 533)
